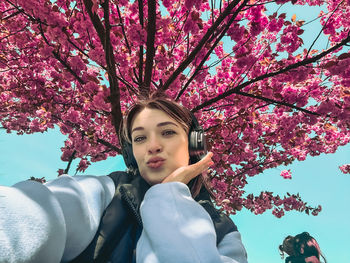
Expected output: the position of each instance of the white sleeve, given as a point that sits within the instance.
(231, 246)
(178, 229)
(52, 222)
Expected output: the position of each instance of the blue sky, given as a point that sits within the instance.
(318, 180)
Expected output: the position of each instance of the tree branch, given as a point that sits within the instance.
(13, 14)
(140, 4)
(12, 34)
(109, 145)
(125, 37)
(151, 31)
(268, 75)
(87, 31)
(76, 126)
(200, 45)
(22, 11)
(57, 56)
(95, 20)
(307, 54)
(74, 45)
(114, 97)
(123, 30)
(180, 31)
(71, 158)
(125, 82)
(276, 102)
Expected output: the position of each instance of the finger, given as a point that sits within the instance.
(204, 163)
(207, 161)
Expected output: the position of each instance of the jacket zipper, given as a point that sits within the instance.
(131, 205)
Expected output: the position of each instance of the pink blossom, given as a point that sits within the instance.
(191, 26)
(60, 172)
(275, 25)
(46, 51)
(73, 115)
(236, 32)
(54, 73)
(190, 3)
(82, 147)
(167, 3)
(66, 155)
(345, 168)
(220, 186)
(83, 165)
(286, 174)
(278, 212)
(99, 102)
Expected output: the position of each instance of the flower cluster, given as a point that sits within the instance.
(261, 99)
(286, 174)
(345, 168)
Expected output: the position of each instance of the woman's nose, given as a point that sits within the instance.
(154, 146)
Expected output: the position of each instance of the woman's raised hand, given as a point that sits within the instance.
(185, 174)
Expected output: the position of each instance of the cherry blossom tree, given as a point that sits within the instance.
(263, 97)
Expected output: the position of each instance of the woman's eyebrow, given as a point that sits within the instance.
(166, 123)
(161, 124)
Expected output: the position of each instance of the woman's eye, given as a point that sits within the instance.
(139, 138)
(168, 132)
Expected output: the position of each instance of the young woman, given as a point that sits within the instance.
(301, 248)
(159, 211)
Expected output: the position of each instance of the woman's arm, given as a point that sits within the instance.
(52, 222)
(178, 229)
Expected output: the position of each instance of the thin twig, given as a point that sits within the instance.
(276, 102)
(71, 158)
(223, 32)
(14, 14)
(200, 45)
(109, 145)
(319, 34)
(123, 30)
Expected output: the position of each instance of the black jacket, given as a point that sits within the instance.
(121, 223)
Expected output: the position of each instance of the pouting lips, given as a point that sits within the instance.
(155, 164)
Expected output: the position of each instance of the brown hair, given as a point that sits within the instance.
(179, 113)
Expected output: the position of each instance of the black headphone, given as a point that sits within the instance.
(197, 146)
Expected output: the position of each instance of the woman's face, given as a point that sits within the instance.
(159, 143)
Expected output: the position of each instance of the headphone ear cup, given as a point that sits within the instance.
(197, 144)
(128, 156)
